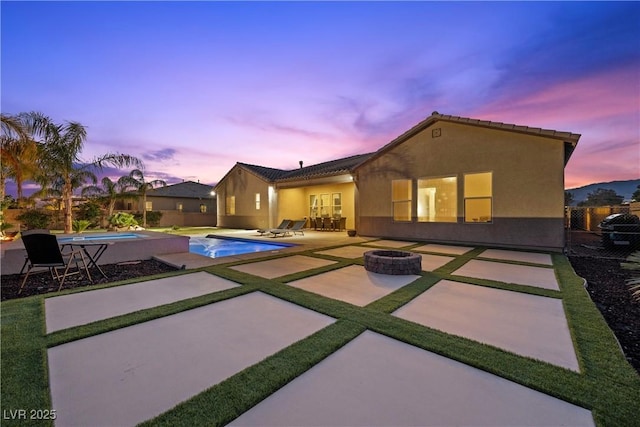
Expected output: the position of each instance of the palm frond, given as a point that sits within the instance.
(633, 263)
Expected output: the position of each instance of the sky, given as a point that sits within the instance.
(191, 88)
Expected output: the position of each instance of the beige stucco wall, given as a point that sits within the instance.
(243, 185)
(528, 186)
(293, 203)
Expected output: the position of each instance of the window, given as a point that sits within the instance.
(179, 206)
(478, 197)
(230, 205)
(148, 206)
(401, 199)
(325, 205)
(203, 208)
(313, 206)
(438, 199)
(336, 204)
(257, 201)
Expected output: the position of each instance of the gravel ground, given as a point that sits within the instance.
(41, 283)
(606, 283)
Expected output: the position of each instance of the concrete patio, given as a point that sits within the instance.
(146, 369)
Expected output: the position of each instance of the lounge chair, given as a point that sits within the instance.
(286, 223)
(43, 251)
(295, 228)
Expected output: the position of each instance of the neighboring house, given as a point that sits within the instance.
(184, 204)
(448, 179)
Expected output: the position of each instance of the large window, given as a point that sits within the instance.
(313, 206)
(438, 199)
(336, 204)
(325, 205)
(230, 205)
(478, 197)
(401, 199)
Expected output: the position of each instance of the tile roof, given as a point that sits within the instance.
(187, 189)
(348, 164)
(332, 167)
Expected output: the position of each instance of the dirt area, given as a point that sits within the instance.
(41, 282)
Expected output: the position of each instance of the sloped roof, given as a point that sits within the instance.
(570, 139)
(332, 167)
(187, 189)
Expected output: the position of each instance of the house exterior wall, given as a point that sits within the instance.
(243, 185)
(527, 178)
(171, 203)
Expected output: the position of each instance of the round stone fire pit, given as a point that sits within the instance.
(392, 262)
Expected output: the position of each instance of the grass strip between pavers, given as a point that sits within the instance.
(230, 398)
(607, 385)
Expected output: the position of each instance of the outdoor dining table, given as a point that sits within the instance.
(92, 250)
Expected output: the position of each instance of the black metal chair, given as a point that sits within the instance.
(43, 251)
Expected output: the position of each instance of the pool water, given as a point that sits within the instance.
(91, 237)
(217, 247)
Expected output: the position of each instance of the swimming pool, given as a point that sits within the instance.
(219, 246)
(91, 237)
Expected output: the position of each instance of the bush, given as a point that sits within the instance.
(633, 263)
(122, 220)
(79, 225)
(153, 218)
(34, 219)
(90, 211)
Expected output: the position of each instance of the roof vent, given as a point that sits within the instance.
(301, 163)
(435, 113)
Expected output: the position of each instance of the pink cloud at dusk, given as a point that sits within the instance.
(194, 87)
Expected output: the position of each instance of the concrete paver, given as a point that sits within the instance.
(532, 257)
(432, 262)
(85, 307)
(444, 249)
(541, 277)
(124, 377)
(378, 381)
(528, 325)
(350, 252)
(282, 266)
(353, 284)
(390, 243)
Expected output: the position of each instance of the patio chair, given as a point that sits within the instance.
(296, 227)
(43, 251)
(286, 223)
(26, 233)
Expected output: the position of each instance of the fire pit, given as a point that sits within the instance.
(392, 262)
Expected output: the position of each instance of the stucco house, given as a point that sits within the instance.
(187, 203)
(448, 179)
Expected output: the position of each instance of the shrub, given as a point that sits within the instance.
(79, 225)
(34, 219)
(633, 263)
(91, 212)
(122, 219)
(153, 218)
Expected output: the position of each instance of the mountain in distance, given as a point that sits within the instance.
(623, 188)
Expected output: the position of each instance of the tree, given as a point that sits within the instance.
(636, 194)
(110, 192)
(60, 162)
(137, 180)
(602, 197)
(568, 198)
(18, 152)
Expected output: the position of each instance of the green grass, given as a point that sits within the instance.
(607, 384)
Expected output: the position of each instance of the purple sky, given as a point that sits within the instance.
(193, 87)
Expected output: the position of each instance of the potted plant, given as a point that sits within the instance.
(351, 233)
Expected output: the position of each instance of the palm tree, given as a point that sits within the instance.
(137, 180)
(110, 192)
(18, 153)
(61, 164)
